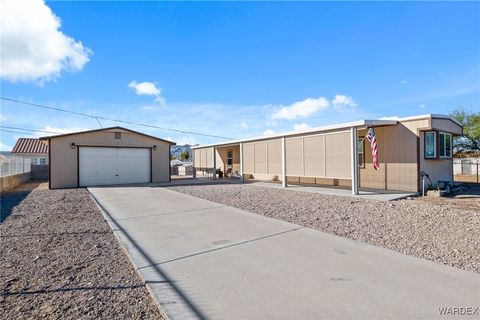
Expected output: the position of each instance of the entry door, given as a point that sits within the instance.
(106, 166)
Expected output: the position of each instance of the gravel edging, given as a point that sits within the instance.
(442, 233)
(60, 259)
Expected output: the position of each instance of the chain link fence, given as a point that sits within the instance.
(466, 170)
(11, 165)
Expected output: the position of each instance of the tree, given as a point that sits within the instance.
(185, 155)
(470, 140)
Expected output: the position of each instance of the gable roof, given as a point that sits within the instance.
(30, 145)
(105, 129)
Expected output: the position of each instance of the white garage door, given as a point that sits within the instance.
(103, 166)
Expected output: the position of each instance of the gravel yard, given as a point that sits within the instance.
(60, 259)
(444, 233)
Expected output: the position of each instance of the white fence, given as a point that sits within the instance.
(467, 169)
(11, 165)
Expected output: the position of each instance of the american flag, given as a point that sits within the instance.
(374, 147)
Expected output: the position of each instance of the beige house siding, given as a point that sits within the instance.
(397, 158)
(446, 125)
(438, 169)
(64, 159)
(221, 154)
(324, 156)
(262, 159)
(203, 158)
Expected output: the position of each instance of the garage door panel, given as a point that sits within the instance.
(104, 166)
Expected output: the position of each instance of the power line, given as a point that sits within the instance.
(26, 129)
(110, 119)
(19, 132)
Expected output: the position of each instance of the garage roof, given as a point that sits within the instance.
(30, 146)
(105, 129)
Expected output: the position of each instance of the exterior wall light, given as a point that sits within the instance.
(73, 145)
(154, 147)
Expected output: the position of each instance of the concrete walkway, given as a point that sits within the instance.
(203, 260)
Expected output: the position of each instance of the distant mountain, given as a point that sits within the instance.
(176, 150)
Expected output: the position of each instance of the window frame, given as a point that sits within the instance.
(361, 155)
(42, 161)
(435, 145)
(230, 157)
(445, 134)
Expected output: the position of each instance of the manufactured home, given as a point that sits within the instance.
(339, 155)
(107, 156)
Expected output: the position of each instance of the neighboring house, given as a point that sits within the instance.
(181, 168)
(107, 156)
(32, 148)
(325, 155)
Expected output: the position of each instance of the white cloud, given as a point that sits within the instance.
(422, 106)
(343, 101)
(2, 118)
(244, 125)
(268, 132)
(301, 109)
(147, 89)
(300, 126)
(4, 147)
(390, 118)
(57, 130)
(33, 47)
(403, 82)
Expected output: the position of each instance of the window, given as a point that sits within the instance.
(229, 157)
(430, 145)
(42, 160)
(445, 145)
(361, 152)
(118, 135)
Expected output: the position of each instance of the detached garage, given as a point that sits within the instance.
(107, 156)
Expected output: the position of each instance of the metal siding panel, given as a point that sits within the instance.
(314, 154)
(260, 157)
(274, 157)
(248, 158)
(294, 156)
(338, 156)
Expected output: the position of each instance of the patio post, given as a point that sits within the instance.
(214, 161)
(284, 164)
(193, 164)
(354, 160)
(241, 162)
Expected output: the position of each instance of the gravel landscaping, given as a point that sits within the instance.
(60, 259)
(445, 233)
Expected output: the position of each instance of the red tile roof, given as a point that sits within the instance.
(30, 145)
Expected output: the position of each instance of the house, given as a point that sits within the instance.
(32, 148)
(338, 155)
(107, 156)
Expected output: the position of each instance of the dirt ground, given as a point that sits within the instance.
(468, 198)
(60, 260)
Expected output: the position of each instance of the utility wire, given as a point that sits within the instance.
(110, 119)
(25, 129)
(11, 131)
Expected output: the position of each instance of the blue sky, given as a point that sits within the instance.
(238, 69)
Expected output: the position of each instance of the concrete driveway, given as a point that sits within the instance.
(203, 260)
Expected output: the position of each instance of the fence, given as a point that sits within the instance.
(467, 170)
(11, 165)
